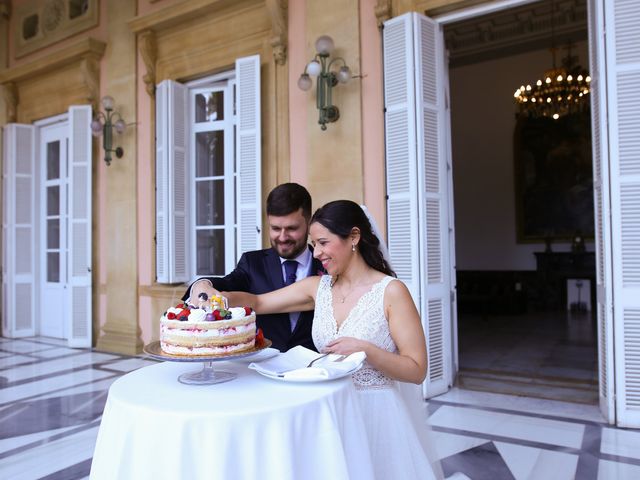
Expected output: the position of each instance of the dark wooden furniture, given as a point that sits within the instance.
(491, 292)
(554, 268)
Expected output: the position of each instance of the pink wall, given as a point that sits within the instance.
(146, 200)
(297, 98)
(372, 113)
(372, 103)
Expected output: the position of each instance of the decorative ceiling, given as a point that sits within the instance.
(517, 30)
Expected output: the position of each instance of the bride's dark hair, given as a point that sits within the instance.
(339, 217)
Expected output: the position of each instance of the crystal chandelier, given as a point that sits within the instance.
(562, 91)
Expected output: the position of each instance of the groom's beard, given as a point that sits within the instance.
(289, 249)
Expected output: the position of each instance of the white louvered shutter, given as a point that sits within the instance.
(172, 186)
(400, 152)
(622, 44)
(601, 194)
(248, 155)
(433, 198)
(79, 227)
(418, 180)
(19, 231)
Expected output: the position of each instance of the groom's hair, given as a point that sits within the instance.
(339, 217)
(287, 198)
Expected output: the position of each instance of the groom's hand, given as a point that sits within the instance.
(201, 293)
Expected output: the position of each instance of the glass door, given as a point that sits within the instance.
(53, 228)
(212, 147)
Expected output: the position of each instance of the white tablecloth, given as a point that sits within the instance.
(249, 428)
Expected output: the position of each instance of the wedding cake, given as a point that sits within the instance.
(213, 330)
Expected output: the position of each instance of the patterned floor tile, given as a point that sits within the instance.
(608, 470)
(529, 463)
(479, 463)
(624, 443)
(48, 426)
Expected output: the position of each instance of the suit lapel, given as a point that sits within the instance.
(316, 268)
(316, 265)
(274, 267)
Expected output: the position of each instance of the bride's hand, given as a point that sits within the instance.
(345, 346)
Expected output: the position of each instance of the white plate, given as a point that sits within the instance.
(258, 356)
(311, 379)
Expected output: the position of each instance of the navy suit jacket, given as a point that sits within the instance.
(260, 271)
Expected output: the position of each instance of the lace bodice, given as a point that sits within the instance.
(365, 321)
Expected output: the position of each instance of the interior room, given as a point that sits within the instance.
(523, 200)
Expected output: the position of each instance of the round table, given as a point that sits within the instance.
(250, 428)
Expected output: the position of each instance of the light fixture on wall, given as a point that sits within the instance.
(563, 90)
(103, 124)
(321, 66)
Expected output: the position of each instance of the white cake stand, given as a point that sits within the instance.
(206, 376)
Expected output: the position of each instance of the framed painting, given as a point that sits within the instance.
(553, 178)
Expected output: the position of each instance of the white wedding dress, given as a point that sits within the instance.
(395, 415)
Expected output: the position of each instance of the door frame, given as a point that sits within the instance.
(468, 13)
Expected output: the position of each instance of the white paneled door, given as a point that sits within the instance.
(417, 133)
(79, 260)
(46, 226)
(19, 224)
(420, 210)
(615, 28)
(53, 162)
(419, 199)
(248, 155)
(602, 205)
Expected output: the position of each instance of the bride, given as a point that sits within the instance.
(361, 306)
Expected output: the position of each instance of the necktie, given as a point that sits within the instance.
(290, 267)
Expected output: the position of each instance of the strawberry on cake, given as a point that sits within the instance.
(213, 330)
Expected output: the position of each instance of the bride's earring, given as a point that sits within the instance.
(353, 247)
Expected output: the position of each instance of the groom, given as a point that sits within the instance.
(288, 260)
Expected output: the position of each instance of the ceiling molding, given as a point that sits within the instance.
(516, 30)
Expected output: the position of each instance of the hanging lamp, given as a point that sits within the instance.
(561, 91)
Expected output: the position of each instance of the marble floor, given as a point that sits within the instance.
(52, 397)
(548, 355)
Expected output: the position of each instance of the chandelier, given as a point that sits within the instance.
(562, 91)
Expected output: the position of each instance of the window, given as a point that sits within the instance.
(212, 160)
(208, 196)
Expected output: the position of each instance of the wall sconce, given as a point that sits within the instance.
(320, 67)
(103, 124)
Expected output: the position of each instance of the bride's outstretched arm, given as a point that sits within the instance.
(409, 364)
(297, 297)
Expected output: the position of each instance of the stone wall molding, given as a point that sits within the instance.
(33, 88)
(91, 77)
(41, 23)
(149, 51)
(383, 11)
(278, 11)
(86, 48)
(5, 9)
(10, 94)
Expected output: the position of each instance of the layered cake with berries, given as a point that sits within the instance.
(191, 331)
